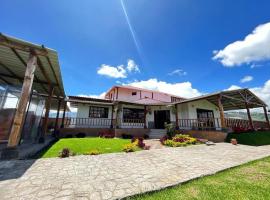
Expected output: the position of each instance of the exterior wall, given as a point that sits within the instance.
(138, 132)
(127, 125)
(150, 117)
(189, 110)
(83, 110)
(90, 132)
(215, 136)
(125, 94)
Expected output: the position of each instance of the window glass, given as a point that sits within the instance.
(133, 114)
(98, 112)
(134, 93)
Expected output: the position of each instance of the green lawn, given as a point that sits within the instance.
(249, 181)
(257, 138)
(84, 145)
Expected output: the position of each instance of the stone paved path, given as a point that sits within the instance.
(154, 144)
(112, 176)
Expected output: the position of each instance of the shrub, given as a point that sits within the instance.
(170, 130)
(93, 152)
(80, 135)
(106, 134)
(139, 141)
(126, 136)
(130, 147)
(69, 136)
(180, 141)
(163, 139)
(66, 152)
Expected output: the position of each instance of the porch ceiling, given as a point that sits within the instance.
(232, 100)
(13, 59)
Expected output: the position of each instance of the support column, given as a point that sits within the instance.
(249, 117)
(64, 114)
(15, 133)
(266, 117)
(45, 122)
(176, 117)
(221, 111)
(112, 116)
(145, 113)
(57, 116)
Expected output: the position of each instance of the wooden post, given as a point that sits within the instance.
(221, 111)
(15, 133)
(64, 114)
(266, 116)
(249, 117)
(112, 116)
(47, 111)
(145, 113)
(176, 117)
(57, 116)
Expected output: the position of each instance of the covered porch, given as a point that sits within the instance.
(30, 87)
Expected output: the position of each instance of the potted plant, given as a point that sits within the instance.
(233, 141)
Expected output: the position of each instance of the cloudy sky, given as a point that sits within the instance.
(182, 47)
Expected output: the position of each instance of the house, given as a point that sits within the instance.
(138, 112)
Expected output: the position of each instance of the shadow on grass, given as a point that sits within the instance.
(256, 138)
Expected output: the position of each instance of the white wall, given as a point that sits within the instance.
(83, 110)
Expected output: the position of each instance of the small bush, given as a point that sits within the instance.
(180, 141)
(130, 147)
(93, 152)
(66, 152)
(139, 141)
(163, 139)
(126, 136)
(80, 135)
(69, 136)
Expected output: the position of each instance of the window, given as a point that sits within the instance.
(134, 93)
(98, 112)
(133, 113)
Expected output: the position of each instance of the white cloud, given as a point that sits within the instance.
(233, 87)
(98, 96)
(183, 89)
(132, 66)
(255, 66)
(120, 71)
(262, 92)
(246, 79)
(114, 72)
(178, 72)
(254, 47)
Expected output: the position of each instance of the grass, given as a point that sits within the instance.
(249, 181)
(85, 145)
(257, 138)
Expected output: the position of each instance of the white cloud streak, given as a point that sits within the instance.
(255, 47)
(246, 79)
(178, 72)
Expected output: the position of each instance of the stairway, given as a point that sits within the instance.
(157, 133)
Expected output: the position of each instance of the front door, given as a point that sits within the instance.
(161, 116)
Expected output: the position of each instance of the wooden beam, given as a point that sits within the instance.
(249, 117)
(145, 113)
(4, 80)
(15, 133)
(50, 64)
(112, 116)
(10, 71)
(57, 116)
(64, 114)
(42, 69)
(47, 111)
(221, 111)
(17, 45)
(266, 116)
(176, 116)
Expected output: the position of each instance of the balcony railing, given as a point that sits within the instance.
(75, 122)
(243, 123)
(131, 123)
(203, 123)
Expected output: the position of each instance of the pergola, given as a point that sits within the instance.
(35, 68)
(234, 100)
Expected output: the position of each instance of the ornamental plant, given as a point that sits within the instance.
(180, 141)
(93, 152)
(130, 147)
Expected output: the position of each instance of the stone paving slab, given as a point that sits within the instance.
(117, 175)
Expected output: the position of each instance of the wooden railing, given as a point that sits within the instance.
(199, 123)
(243, 123)
(75, 122)
(131, 123)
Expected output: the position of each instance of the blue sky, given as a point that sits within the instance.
(170, 49)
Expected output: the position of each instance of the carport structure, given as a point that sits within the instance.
(235, 100)
(34, 69)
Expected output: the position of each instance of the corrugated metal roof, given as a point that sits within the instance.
(14, 54)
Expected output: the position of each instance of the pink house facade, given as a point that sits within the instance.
(136, 111)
